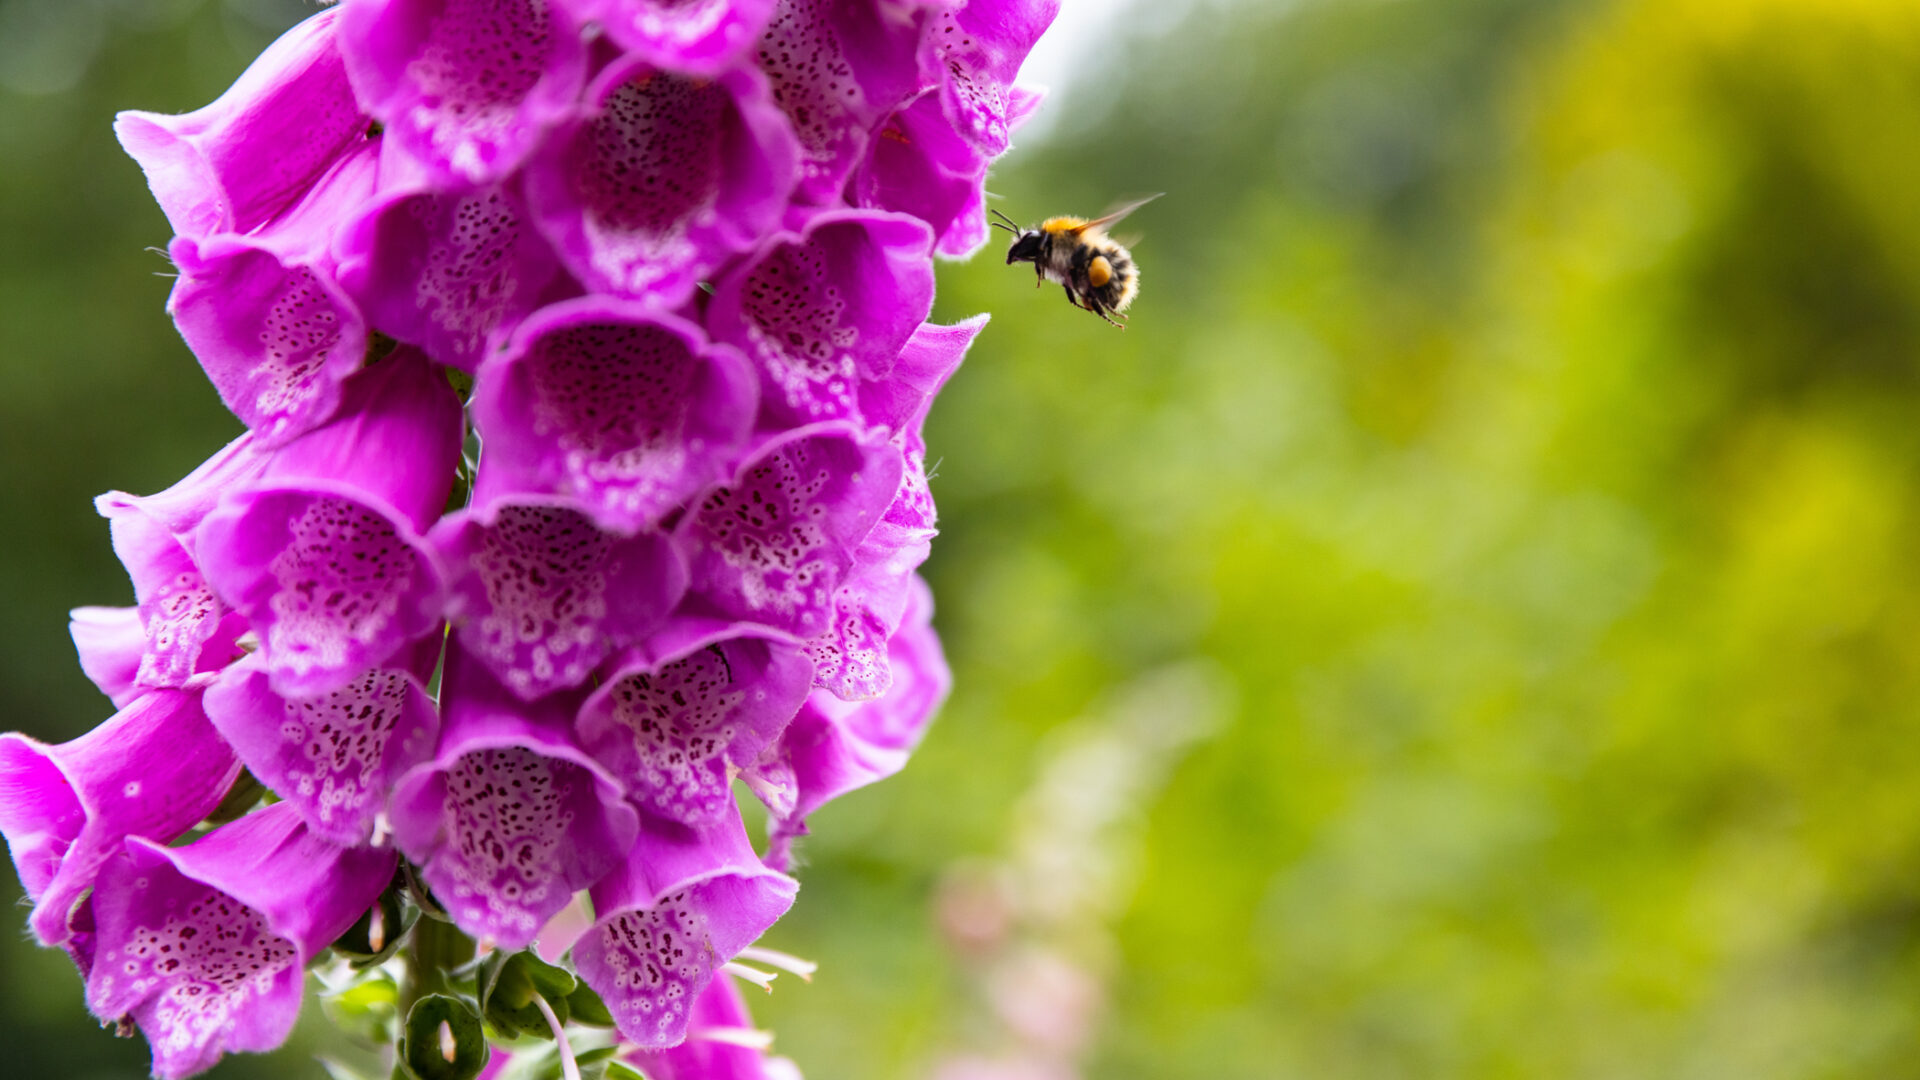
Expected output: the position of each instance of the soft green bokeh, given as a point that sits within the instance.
(1521, 416)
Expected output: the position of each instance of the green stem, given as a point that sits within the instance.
(433, 949)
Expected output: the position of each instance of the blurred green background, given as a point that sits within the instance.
(1467, 626)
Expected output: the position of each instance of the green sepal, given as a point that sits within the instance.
(396, 919)
(421, 897)
(604, 1064)
(369, 1008)
(600, 1063)
(587, 1008)
(421, 1056)
(379, 347)
(508, 984)
(461, 382)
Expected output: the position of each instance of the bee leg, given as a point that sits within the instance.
(1095, 306)
(1071, 299)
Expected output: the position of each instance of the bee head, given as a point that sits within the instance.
(1026, 248)
(1026, 245)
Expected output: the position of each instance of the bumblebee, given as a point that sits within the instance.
(1098, 274)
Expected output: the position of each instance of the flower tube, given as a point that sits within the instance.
(234, 165)
(333, 756)
(823, 311)
(468, 87)
(684, 902)
(667, 176)
(542, 595)
(629, 410)
(324, 554)
(511, 817)
(204, 945)
(153, 770)
(675, 733)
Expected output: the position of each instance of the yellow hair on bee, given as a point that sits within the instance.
(1062, 224)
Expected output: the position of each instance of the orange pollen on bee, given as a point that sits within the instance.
(1099, 271)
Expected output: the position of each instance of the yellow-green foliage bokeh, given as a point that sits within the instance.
(1523, 412)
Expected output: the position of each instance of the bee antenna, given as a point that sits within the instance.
(1011, 225)
(1009, 228)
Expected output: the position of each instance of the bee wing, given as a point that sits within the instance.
(1113, 216)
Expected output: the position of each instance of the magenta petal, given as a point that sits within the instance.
(447, 270)
(773, 546)
(900, 403)
(396, 440)
(154, 769)
(237, 163)
(667, 177)
(630, 411)
(469, 87)
(332, 757)
(178, 610)
(188, 629)
(695, 37)
(332, 583)
(204, 944)
(837, 67)
(834, 746)
(323, 555)
(675, 733)
(685, 902)
(822, 311)
(511, 817)
(719, 1008)
(973, 53)
(542, 595)
(265, 314)
(180, 508)
(919, 165)
(851, 658)
(111, 643)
